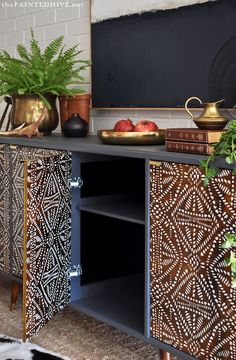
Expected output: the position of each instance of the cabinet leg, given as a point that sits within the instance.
(165, 355)
(14, 294)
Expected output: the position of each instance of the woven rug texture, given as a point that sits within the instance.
(76, 335)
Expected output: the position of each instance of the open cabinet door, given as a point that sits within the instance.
(5, 248)
(47, 240)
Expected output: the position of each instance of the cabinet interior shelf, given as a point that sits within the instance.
(122, 308)
(124, 207)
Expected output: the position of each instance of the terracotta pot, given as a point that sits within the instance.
(78, 104)
(27, 108)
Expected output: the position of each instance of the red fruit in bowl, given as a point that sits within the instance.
(146, 126)
(124, 125)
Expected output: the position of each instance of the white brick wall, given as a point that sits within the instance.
(74, 23)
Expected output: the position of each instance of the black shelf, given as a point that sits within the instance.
(123, 207)
(122, 308)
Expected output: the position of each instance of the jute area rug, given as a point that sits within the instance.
(75, 335)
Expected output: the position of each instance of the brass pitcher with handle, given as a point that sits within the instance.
(210, 119)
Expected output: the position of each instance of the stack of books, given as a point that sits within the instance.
(192, 140)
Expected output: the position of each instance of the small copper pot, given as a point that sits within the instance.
(77, 104)
(27, 108)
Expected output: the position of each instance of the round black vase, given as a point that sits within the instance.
(75, 126)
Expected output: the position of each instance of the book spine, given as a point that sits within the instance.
(191, 136)
(194, 148)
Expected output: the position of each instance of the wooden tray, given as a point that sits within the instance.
(108, 136)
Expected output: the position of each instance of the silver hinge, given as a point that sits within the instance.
(76, 182)
(74, 271)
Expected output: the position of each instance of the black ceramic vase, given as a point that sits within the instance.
(75, 126)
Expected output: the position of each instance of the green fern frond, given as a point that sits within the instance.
(52, 71)
(22, 52)
(52, 49)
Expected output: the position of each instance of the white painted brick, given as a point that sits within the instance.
(2, 13)
(77, 27)
(98, 113)
(2, 41)
(65, 15)
(180, 114)
(25, 22)
(38, 33)
(13, 12)
(85, 55)
(11, 50)
(85, 9)
(54, 31)
(85, 42)
(72, 41)
(32, 9)
(45, 18)
(7, 26)
(122, 113)
(103, 123)
(15, 38)
(154, 113)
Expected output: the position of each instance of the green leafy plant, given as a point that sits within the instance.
(35, 72)
(229, 243)
(225, 148)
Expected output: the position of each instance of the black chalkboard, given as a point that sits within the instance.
(160, 59)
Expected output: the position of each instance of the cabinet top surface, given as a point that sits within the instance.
(92, 145)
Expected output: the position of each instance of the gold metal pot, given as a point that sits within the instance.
(210, 119)
(27, 108)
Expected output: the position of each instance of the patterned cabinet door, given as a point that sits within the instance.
(5, 248)
(18, 155)
(47, 240)
(193, 305)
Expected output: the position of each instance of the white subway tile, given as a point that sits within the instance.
(77, 27)
(11, 50)
(103, 123)
(85, 55)
(2, 41)
(180, 114)
(45, 18)
(66, 14)
(15, 38)
(85, 42)
(24, 22)
(54, 31)
(7, 26)
(98, 113)
(38, 34)
(122, 113)
(2, 13)
(146, 114)
(85, 9)
(13, 12)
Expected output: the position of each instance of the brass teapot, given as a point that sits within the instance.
(210, 119)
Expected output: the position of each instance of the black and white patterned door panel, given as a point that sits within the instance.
(18, 155)
(5, 248)
(47, 240)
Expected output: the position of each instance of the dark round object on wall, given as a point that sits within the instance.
(222, 76)
(75, 126)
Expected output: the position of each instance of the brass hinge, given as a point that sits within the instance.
(155, 163)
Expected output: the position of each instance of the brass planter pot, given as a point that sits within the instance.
(27, 108)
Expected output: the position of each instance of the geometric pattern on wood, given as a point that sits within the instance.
(5, 208)
(193, 305)
(47, 248)
(18, 154)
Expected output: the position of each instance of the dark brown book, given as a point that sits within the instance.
(194, 135)
(188, 147)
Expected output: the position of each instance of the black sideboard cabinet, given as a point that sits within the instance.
(135, 257)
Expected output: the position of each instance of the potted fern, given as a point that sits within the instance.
(36, 78)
